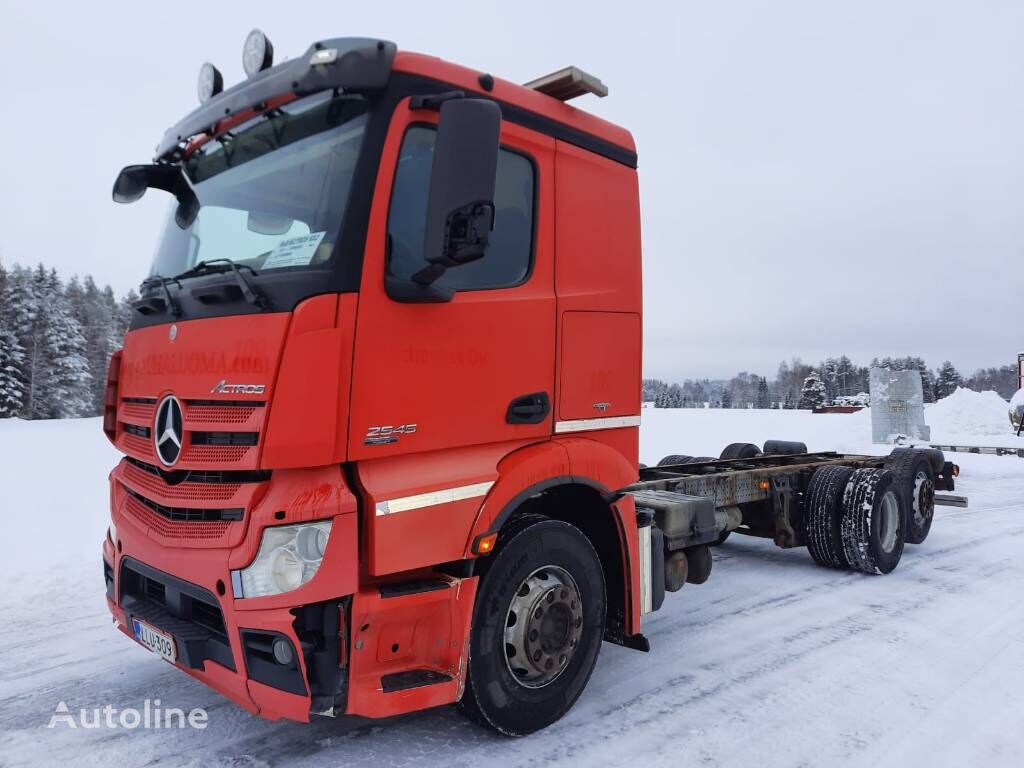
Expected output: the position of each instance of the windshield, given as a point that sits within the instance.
(273, 191)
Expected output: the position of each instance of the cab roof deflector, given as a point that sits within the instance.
(568, 83)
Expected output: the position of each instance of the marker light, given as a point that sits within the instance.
(485, 544)
(210, 82)
(257, 54)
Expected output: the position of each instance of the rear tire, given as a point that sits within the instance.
(674, 458)
(916, 476)
(783, 448)
(874, 521)
(823, 514)
(540, 606)
(740, 451)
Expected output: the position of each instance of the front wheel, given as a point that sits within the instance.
(537, 628)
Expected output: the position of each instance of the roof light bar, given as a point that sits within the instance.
(210, 82)
(568, 83)
(257, 53)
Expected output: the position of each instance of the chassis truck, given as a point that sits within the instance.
(379, 402)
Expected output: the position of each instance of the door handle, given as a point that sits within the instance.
(529, 409)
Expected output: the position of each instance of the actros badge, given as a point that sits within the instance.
(223, 388)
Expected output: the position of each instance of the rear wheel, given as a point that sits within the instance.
(537, 628)
(873, 526)
(740, 451)
(783, 447)
(674, 458)
(823, 514)
(916, 476)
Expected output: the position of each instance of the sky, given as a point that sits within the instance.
(817, 178)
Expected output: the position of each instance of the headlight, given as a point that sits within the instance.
(112, 532)
(289, 556)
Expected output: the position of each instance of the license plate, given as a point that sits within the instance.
(158, 642)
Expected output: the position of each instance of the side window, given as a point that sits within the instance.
(509, 253)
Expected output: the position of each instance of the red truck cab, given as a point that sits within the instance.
(379, 392)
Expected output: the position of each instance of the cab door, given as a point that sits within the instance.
(468, 379)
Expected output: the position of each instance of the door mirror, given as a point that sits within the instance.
(460, 206)
(131, 184)
(133, 181)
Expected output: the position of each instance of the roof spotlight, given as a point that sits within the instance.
(257, 54)
(210, 83)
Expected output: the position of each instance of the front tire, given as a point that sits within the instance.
(538, 624)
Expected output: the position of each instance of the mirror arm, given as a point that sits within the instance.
(434, 101)
(411, 292)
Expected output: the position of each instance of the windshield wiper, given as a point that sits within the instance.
(211, 266)
(159, 281)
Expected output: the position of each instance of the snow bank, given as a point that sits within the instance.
(53, 492)
(968, 413)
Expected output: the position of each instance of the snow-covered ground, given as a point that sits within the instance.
(774, 661)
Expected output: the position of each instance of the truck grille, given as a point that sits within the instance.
(217, 412)
(210, 532)
(195, 506)
(210, 431)
(190, 514)
(153, 485)
(138, 409)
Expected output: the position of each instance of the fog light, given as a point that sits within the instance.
(283, 652)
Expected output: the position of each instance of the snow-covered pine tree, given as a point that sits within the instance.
(19, 307)
(812, 393)
(762, 394)
(947, 380)
(12, 356)
(100, 317)
(830, 377)
(12, 389)
(66, 386)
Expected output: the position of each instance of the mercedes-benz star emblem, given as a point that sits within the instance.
(173, 333)
(167, 430)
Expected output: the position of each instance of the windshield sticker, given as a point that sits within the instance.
(294, 251)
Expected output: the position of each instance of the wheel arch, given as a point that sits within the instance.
(539, 479)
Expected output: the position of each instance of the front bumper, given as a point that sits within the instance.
(232, 651)
(374, 650)
(182, 587)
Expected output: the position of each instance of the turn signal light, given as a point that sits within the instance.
(484, 544)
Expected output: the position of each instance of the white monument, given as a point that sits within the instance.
(897, 406)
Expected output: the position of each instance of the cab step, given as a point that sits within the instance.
(412, 678)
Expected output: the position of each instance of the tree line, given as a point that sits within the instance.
(56, 339)
(797, 384)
